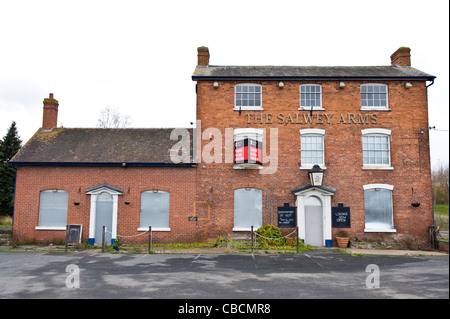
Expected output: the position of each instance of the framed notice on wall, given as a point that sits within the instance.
(340, 216)
(287, 216)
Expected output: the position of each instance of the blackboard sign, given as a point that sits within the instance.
(73, 234)
(287, 216)
(340, 216)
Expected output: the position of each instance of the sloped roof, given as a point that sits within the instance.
(307, 72)
(96, 146)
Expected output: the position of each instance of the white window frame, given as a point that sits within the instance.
(243, 133)
(381, 187)
(45, 227)
(374, 107)
(377, 132)
(312, 132)
(317, 107)
(140, 211)
(248, 108)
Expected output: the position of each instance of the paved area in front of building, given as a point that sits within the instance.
(322, 273)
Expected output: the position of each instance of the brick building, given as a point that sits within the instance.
(260, 131)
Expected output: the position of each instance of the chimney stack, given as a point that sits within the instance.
(203, 56)
(50, 118)
(401, 57)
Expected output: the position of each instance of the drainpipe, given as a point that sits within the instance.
(429, 151)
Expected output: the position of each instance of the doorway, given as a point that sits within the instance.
(314, 214)
(313, 221)
(103, 217)
(103, 212)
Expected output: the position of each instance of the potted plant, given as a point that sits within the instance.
(342, 239)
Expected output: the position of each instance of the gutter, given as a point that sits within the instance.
(295, 77)
(74, 164)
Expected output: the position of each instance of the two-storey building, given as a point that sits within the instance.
(365, 127)
(260, 133)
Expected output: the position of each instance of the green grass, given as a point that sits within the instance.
(5, 220)
(441, 216)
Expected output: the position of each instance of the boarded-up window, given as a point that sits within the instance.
(155, 209)
(53, 208)
(247, 208)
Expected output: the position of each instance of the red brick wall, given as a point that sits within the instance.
(180, 182)
(211, 185)
(50, 114)
(343, 152)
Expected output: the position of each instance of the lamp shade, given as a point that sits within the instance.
(316, 175)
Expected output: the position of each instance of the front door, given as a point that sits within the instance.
(103, 217)
(313, 221)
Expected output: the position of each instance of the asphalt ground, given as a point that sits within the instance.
(320, 274)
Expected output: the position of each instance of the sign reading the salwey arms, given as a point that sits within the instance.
(307, 118)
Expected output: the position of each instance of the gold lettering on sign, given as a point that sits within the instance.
(374, 118)
(328, 118)
(307, 118)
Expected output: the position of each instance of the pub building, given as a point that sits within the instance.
(323, 148)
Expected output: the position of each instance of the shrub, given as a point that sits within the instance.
(270, 235)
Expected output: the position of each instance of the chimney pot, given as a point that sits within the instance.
(202, 56)
(50, 115)
(401, 57)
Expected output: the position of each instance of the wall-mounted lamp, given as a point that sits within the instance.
(408, 85)
(126, 203)
(154, 190)
(341, 85)
(416, 204)
(76, 203)
(316, 175)
(281, 85)
(216, 84)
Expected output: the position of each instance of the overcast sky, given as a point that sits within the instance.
(139, 56)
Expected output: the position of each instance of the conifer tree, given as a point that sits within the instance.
(9, 146)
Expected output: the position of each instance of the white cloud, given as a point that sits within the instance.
(138, 56)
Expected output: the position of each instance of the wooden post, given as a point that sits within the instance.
(297, 239)
(103, 239)
(252, 237)
(149, 239)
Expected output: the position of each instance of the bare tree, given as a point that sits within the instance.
(440, 182)
(111, 118)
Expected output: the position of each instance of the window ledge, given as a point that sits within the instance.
(50, 228)
(247, 166)
(154, 229)
(374, 108)
(381, 230)
(244, 228)
(310, 166)
(368, 167)
(247, 108)
(308, 108)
